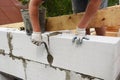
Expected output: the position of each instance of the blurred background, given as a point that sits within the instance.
(61, 7)
(10, 10)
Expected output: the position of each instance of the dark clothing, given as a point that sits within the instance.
(80, 5)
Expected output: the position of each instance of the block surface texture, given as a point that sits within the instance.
(99, 56)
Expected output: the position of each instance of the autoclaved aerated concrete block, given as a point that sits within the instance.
(37, 71)
(4, 40)
(19, 44)
(99, 56)
(22, 46)
(12, 66)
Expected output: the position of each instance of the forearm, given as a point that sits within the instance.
(34, 16)
(91, 10)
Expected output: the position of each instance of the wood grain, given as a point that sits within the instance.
(107, 17)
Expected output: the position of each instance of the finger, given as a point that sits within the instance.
(36, 43)
(79, 41)
(33, 41)
(73, 40)
(85, 38)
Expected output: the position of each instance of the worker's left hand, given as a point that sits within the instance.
(81, 34)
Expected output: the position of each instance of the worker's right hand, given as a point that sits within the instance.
(36, 38)
(81, 34)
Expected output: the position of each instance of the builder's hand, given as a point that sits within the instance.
(36, 38)
(81, 34)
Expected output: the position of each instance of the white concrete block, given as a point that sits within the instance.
(116, 70)
(94, 57)
(37, 71)
(12, 67)
(4, 41)
(22, 46)
(74, 76)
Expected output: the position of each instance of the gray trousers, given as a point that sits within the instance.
(80, 5)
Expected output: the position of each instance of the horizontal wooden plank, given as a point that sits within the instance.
(107, 17)
(112, 29)
(13, 25)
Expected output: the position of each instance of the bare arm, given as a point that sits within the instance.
(34, 16)
(91, 10)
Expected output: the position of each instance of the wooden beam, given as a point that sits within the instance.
(107, 17)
